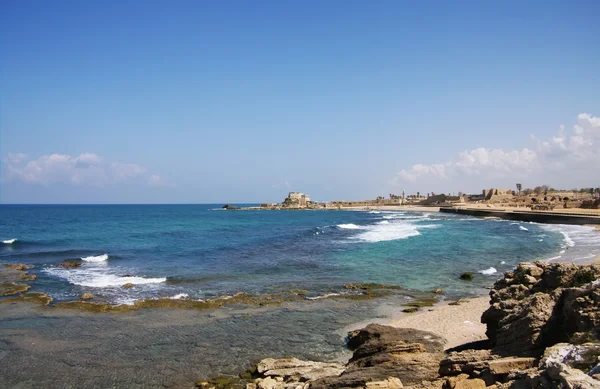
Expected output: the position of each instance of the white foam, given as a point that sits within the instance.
(502, 262)
(98, 258)
(523, 228)
(375, 212)
(349, 226)
(180, 296)
(391, 231)
(568, 241)
(98, 278)
(9, 241)
(323, 296)
(488, 271)
(383, 222)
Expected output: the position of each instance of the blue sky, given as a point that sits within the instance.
(243, 101)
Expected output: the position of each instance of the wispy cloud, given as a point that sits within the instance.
(568, 155)
(84, 169)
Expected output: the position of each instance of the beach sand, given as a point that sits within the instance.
(459, 324)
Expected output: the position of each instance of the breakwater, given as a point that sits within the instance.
(527, 216)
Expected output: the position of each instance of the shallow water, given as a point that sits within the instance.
(56, 348)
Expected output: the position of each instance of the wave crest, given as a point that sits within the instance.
(349, 226)
(9, 241)
(489, 271)
(97, 258)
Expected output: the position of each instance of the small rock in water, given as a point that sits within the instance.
(128, 285)
(466, 276)
(70, 264)
(87, 296)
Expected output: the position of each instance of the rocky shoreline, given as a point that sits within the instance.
(543, 329)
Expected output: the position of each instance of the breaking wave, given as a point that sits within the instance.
(489, 271)
(349, 226)
(99, 278)
(97, 258)
(9, 241)
(523, 228)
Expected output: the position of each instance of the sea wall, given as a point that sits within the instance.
(526, 216)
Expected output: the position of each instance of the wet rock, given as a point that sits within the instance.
(31, 297)
(10, 288)
(69, 264)
(128, 285)
(18, 266)
(87, 296)
(467, 276)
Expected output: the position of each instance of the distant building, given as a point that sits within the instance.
(488, 193)
(296, 199)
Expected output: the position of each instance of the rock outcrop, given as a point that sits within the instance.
(381, 352)
(541, 304)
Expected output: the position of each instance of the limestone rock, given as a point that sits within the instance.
(541, 304)
(505, 365)
(18, 266)
(128, 285)
(462, 381)
(455, 362)
(298, 370)
(381, 352)
(390, 383)
(87, 296)
(269, 383)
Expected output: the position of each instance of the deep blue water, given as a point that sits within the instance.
(202, 251)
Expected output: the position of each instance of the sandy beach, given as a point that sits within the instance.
(458, 324)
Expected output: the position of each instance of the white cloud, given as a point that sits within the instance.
(155, 180)
(84, 169)
(123, 171)
(567, 158)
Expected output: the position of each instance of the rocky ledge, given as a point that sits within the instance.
(543, 326)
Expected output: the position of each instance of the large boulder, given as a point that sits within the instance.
(383, 352)
(541, 304)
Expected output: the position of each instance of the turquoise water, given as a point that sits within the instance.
(201, 251)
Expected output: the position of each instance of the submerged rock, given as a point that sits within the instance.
(18, 266)
(70, 264)
(86, 296)
(10, 288)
